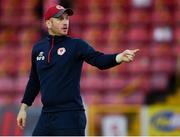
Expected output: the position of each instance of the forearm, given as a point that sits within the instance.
(106, 61)
(30, 94)
(31, 91)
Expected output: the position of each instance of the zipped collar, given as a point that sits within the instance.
(53, 40)
(57, 38)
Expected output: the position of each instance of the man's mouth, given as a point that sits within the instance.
(64, 28)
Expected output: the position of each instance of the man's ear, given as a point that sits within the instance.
(48, 24)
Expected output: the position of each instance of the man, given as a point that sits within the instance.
(56, 68)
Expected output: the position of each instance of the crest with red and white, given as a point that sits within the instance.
(59, 7)
(61, 51)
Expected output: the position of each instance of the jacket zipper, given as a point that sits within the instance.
(49, 53)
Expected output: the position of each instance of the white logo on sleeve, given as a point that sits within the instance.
(61, 51)
(40, 56)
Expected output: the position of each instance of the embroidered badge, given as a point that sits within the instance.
(59, 7)
(40, 56)
(61, 51)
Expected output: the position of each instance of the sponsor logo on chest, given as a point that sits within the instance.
(40, 56)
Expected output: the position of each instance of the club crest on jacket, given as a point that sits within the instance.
(61, 51)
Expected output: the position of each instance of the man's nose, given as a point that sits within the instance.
(65, 21)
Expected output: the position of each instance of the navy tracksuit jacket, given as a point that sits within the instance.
(56, 69)
(56, 76)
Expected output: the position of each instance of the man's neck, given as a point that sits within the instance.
(53, 34)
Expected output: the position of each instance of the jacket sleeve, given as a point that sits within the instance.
(95, 58)
(33, 85)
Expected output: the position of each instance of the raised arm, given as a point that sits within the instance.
(101, 60)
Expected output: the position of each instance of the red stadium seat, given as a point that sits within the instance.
(20, 83)
(115, 36)
(123, 4)
(138, 34)
(93, 35)
(177, 34)
(116, 18)
(81, 4)
(112, 99)
(176, 50)
(7, 84)
(143, 47)
(92, 83)
(176, 16)
(140, 65)
(158, 82)
(162, 16)
(91, 97)
(27, 37)
(114, 82)
(137, 98)
(95, 17)
(163, 65)
(139, 17)
(161, 50)
(165, 3)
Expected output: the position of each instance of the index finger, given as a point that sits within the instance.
(135, 50)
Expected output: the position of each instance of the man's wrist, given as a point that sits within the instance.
(118, 58)
(24, 107)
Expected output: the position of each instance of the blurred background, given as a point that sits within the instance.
(138, 98)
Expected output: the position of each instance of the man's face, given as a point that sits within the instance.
(59, 26)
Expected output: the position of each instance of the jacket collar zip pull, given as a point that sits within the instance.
(49, 53)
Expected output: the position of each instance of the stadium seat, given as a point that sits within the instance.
(112, 98)
(91, 97)
(116, 17)
(139, 17)
(161, 16)
(165, 3)
(143, 47)
(140, 65)
(7, 85)
(176, 50)
(27, 37)
(95, 17)
(138, 34)
(25, 60)
(177, 34)
(115, 36)
(122, 4)
(20, 83)
(158, 81)
(137, 98)
(92, 83)
(161, 50)
(114, 82)
(163, 64)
